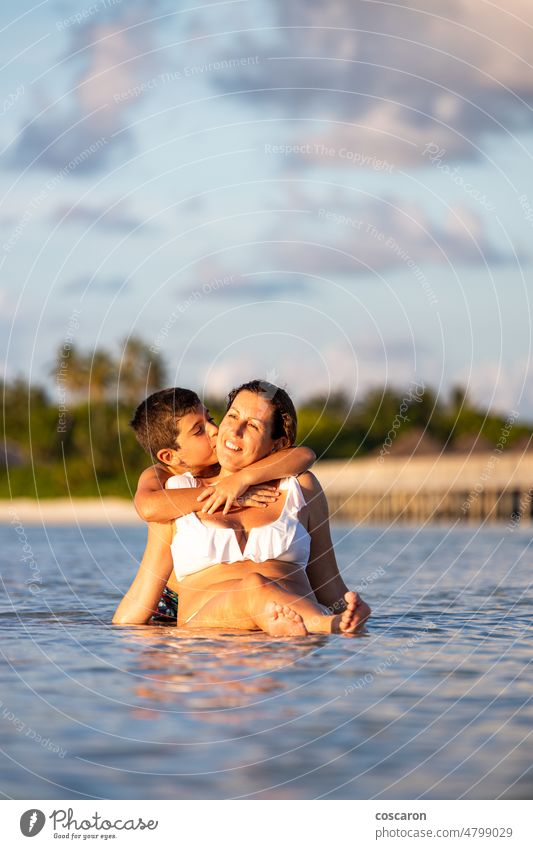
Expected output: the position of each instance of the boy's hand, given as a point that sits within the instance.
(234, 492)
(259, 495)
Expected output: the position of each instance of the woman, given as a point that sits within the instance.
(275, 571)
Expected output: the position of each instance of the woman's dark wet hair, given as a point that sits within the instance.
(284, 419)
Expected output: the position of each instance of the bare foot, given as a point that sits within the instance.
(283, 621)
(357, 612)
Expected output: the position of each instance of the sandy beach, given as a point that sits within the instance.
(65, 511)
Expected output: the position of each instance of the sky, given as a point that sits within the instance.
(327, 195)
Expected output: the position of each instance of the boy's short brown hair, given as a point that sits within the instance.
(156, 421)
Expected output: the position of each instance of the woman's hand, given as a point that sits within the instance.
(233, 491)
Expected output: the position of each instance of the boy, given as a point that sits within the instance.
(176, 429)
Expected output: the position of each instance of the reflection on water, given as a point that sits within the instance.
(217, 672)
(432, 701)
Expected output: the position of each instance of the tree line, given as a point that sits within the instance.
(76, 441)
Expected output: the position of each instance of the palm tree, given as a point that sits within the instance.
(102, 372)
(141, 371)
(71, 371)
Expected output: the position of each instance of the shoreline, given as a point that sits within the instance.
(68, 511)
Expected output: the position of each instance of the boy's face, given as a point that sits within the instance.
(197, 435)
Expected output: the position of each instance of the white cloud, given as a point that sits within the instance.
(404, 76)
(107, 56)
(342, 236)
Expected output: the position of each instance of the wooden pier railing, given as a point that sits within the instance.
(471, 488)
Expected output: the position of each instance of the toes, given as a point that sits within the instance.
(287, 612)
(348, 621)
(273, 610)
(279, 612)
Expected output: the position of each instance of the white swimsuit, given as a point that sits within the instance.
(197, 546)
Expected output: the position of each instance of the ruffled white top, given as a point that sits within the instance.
(196, 546)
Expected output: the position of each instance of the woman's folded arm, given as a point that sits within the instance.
(322, 570)
(141, 600)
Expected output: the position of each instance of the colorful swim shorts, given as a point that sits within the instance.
(167, 609)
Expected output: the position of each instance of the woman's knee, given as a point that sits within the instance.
(254, 581)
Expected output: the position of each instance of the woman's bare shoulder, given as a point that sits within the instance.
(308, 479)
(309, 484)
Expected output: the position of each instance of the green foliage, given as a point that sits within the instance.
(336, 427)
(97, 376)
(89, 449)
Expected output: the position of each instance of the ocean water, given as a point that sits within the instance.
(432, 701)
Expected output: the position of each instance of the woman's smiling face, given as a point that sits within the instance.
(245, 431)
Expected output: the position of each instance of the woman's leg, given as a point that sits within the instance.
(262, 603)
(241, 607)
